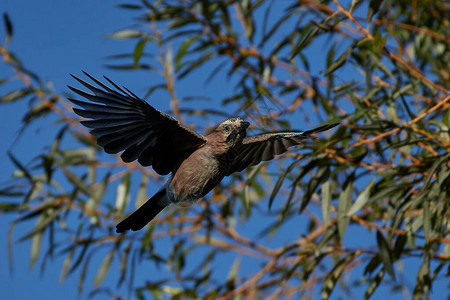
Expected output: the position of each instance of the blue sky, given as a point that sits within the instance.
(53, 39)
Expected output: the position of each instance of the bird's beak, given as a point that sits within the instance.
(245, 125)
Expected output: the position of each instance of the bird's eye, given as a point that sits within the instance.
(226, 128)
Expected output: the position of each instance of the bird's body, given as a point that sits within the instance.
(205, 180)
(124, 122)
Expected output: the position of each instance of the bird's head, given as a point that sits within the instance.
(233, 130)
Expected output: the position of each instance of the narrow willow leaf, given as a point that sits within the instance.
(344, 202)
(139, 66)
(101, 189)
(385, 254)
(362, 199)
(426, 220)
(374, 283)
(195, 64)
(36, 243)
(14, 95)
(249, 195)
(399, 245)
(81, 256)
(125, 34)
(142, 191)
(246, 200)
(43, 221)
(123, 193)
(182, 50)
(10, 251)
(339, 62)
(250, 27)
(104, 268)
(344, 86)
(66, 265)
(97, 196)
(326, 202)
(225, 17)
(310, 267)
(273, 29)
(372, 264)
(169, 61)
(8, 26)
(234, 270)
(83, 275)
(124, 263)
(305, 41)
(77, 182)
(330, 234)
(130, 6)
(313, 183)
(21, 167)
(138, 50)
(333, 276)
(444, 159)
(423, 284)
(280, 182)
(374, 6)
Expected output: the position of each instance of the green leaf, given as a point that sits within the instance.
(8, 26)
(313, 183)
(130, 6)
(374, 283)
(20, 167)
(374, 6)
(138, 50)
(35, 248)
(305, 41)
(66, 266)
(362, 199)
(9, 244)
(326, 202)
(124, 263)
(104, 268)
(45, 218)
(385, 254)
(399, 245)
(125, 34)
(426, 220)
(249, 195)
(36, 242)
(77, 182)
(333, 276)
(182, 50)
(344, 202)
(339, 62)
(234, 270)
(423, 285)
(123, 193)
(142, 191)
(280, 182)
(83, 275)
(189, 67)
(14, 95)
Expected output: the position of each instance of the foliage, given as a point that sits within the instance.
(383, 71)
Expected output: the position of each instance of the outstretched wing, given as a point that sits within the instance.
(264, 147)
(123, 122)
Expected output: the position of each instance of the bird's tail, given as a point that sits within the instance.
(319, 129)
(145, 213)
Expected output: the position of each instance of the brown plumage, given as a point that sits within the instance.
(121, 121)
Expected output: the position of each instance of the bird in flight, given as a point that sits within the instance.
(121, 121)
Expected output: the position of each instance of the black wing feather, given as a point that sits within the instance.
(264, 147)
(121, 121)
